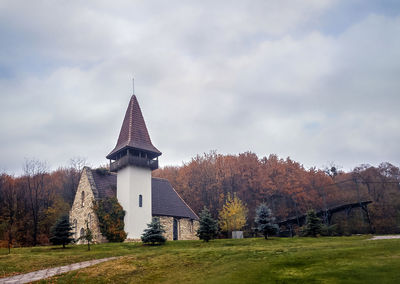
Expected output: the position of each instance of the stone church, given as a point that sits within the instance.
(129, 179)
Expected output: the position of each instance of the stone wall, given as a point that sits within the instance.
(82, 209)
(186, 228)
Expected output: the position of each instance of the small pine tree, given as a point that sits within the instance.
(154, 233)
(61, 232)
(265, 221)
(88, 235)
(208, 228)
(313, 224)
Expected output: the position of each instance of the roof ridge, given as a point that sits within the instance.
(92, 182)
(184, 201)
(130, 119)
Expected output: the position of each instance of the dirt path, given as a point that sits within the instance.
(385, 237)
(49, 272)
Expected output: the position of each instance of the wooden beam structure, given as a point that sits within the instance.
(327, 214)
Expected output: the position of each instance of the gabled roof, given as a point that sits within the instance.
(134, 132)
(165, 200)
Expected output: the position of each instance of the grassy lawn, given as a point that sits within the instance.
(326, 260)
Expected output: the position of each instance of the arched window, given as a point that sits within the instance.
(75, 229)
(82, 232)
(140, 200)
(83, 198)
(89, 220)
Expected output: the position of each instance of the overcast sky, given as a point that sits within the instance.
(318, 81)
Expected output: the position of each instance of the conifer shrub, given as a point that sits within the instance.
(265, 221)
(111, 219)
(313, 225)
(61, 233)
(154, 233)
(208, 228)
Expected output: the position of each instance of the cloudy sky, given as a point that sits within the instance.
(315, 80)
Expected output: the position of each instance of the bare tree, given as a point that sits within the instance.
(73, 174)
(78, 163)
(35, 172)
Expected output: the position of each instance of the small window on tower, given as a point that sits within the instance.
(140, 200)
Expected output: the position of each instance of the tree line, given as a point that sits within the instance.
(289, 189)
(30, 204)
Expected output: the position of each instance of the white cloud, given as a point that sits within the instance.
(231, 76)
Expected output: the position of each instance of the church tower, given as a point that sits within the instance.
(133, 159)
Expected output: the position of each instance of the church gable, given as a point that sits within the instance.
(82, 208)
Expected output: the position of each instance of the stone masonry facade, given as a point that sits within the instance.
(82, 209)
(186, 228)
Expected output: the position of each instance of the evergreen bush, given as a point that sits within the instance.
(61, 232)
(265, 221)
(208, 228)
(154, 233)
(313, 225)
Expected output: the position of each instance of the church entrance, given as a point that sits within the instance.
(175, 230)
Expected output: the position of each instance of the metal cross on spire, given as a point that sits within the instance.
(133, 85)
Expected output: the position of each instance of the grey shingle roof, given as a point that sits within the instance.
(106, 183)
(165, 200)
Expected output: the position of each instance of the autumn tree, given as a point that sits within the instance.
(232, 216)
(111, 219)
(265, 221)
(208, 227)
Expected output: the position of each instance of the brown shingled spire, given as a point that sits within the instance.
(134, 132)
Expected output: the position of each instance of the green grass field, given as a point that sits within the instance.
(302, 260)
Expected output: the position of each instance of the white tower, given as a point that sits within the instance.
(133, 159)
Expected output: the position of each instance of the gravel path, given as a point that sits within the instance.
(49, 272)
(387, 237)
